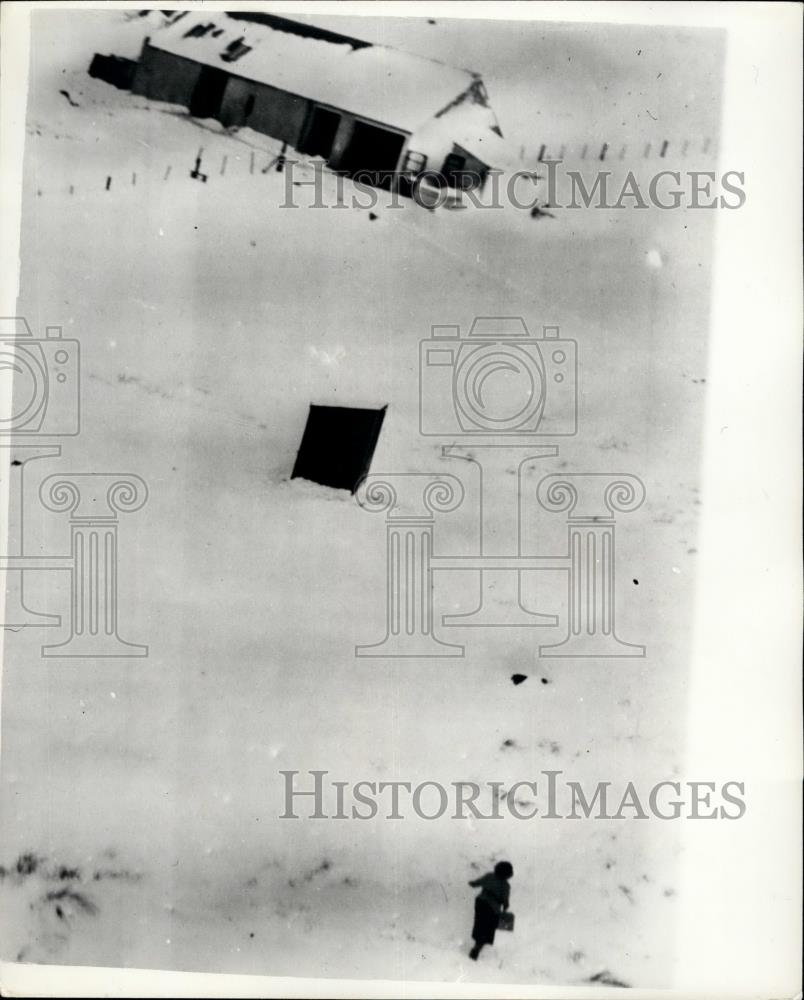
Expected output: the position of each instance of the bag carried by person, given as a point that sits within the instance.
(506, 921)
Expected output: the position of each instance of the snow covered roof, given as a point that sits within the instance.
(372, 81)
(473, 127)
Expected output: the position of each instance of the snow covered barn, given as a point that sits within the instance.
(359, 106)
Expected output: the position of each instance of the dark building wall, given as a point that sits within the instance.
(113, 69)
(274, 112)
(162, 76)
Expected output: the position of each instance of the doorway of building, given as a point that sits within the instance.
(320, 132)
(373, 152)
(208, 93)
(462, 171)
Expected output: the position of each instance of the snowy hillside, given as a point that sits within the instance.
(145, 792)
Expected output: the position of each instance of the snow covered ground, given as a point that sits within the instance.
(146, 793)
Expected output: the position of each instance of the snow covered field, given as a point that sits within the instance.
(146, 792)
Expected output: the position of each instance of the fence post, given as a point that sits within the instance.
(195, 173)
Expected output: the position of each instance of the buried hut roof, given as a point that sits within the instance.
(372, 81)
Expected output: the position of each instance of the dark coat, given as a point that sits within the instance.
(491, 901)
(486, 922)
(495, 891)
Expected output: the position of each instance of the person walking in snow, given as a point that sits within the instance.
(489, 904)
